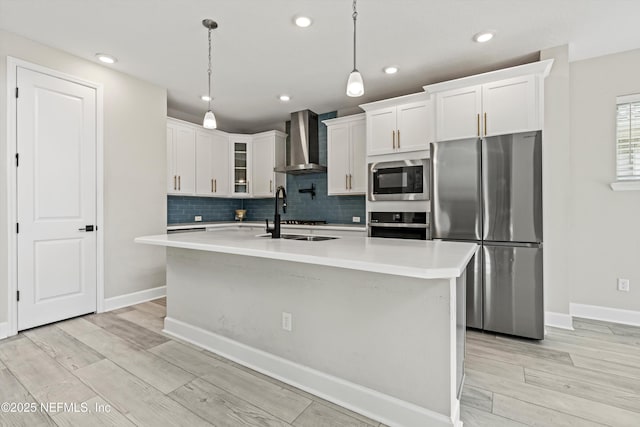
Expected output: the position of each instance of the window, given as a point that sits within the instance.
(628, 138)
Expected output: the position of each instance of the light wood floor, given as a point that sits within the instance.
(121, 360)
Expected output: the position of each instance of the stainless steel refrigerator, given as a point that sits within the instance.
(489, 191)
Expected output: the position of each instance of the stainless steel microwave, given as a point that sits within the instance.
(399, 180)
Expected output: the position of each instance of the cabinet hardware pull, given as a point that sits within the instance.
(398, 139)
(179, 186)
(485, 124)
(215, 185)
(478, 116)
(346, 181)
(271, 186)
(248, 191)
(393, 138)
(212, 185)
(175, 182)
(350, 186)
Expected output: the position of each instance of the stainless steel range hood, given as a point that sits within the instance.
(302, 145)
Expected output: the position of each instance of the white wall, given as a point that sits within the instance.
(605, 225)
(556, 182)
(134, 166)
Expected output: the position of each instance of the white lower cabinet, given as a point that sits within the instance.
(212, 163)
(346, 155)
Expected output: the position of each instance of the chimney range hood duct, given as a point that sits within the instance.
(302, 148)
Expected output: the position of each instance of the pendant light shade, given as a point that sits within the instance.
(355, 85)
(209, 121)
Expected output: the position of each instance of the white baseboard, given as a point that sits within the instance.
(134, 298)
(368, 402)
(615, 315)
(558, 320)
(4, 330)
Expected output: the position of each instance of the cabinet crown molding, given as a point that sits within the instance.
(392, 102)
(345, 119)
(541, 68)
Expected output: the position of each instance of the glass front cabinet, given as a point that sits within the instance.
(240, 155)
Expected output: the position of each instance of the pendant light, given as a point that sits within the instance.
(209, 121)
(355, 85)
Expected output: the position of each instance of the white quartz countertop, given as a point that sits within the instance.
(225, 224)
(412, 258)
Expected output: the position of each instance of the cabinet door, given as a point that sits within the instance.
(413, 126)
(172, 178)
(358, 158)
(510, 106)
(381, 135)
(185, 159)
(262, 163)
(240, 151)
(204, 164)
(458, 113)
(220, 164)
(338, 159)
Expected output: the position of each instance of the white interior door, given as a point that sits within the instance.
(56, 198)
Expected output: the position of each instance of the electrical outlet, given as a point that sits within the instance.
(355, 219)
(623, 285)
(287, 321)
(197, 218)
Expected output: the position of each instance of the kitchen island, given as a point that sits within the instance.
(374, 325)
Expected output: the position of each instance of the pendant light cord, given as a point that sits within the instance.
(209, 69)
(355, 16)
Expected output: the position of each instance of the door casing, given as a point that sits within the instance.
(12, 190)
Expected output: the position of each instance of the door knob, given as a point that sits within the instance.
(87, 228)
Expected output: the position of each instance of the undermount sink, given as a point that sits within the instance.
(307, 237)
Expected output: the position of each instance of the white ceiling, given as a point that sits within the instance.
(259, 53)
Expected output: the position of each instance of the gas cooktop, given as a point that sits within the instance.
(302, 222)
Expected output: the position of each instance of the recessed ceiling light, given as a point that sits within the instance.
(302, 21)
(391, 70)
(284, 98)
(205, 98)
(484, 36)
(107, 59)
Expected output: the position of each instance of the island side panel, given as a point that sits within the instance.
(388, 333)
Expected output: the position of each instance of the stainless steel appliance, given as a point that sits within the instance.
(399, 225)
(303, 148)
(399, 180)
(489, 191)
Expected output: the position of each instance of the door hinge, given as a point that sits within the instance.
(18, 295)
(17, 227)
(17, 159)
(16, 92)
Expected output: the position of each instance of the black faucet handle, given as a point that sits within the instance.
(266, 222)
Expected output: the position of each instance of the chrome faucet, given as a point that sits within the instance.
(275, 231)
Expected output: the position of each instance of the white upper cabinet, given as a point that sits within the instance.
(253, 158)
(458, 113)
(496, 103)
(346, 155)
(268, 152)
(399, 125)
(181, 148)
(212, 163)
(240, 155)
(510, 106)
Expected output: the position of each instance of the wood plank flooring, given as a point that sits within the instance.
(123, 361)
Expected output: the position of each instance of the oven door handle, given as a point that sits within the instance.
(397, 225)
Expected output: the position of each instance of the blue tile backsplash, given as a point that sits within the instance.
(333, 209)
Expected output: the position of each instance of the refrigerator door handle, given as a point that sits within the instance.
(514, 244)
